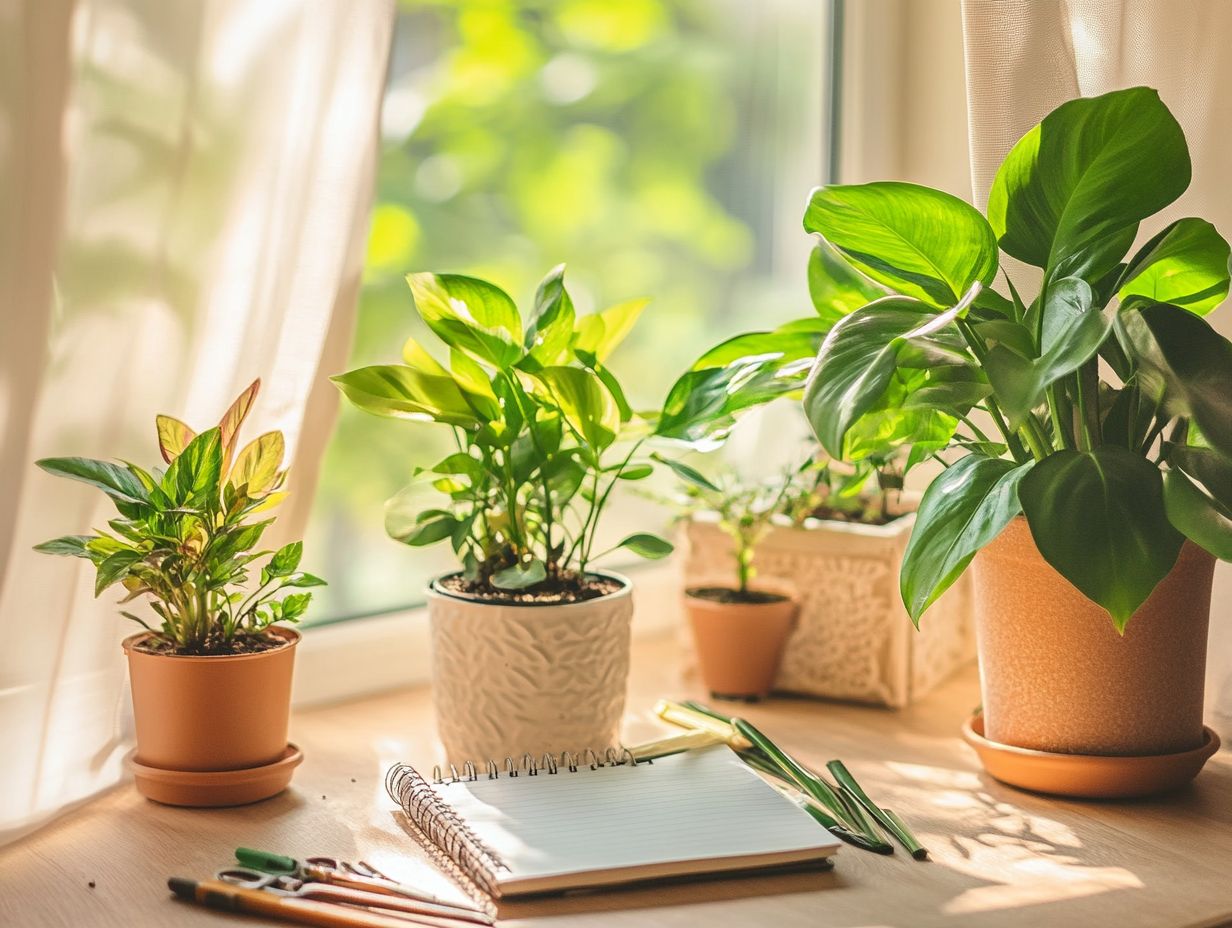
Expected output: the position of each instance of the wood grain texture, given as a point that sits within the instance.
(1000, 857)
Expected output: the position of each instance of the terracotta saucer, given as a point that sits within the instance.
(213, 788)
(1087, 776)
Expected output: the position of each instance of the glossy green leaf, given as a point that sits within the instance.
(1098, 517)
(520, 576)
(962, 510)
(66, 546)
(917, 241)
(1208, 467)
(1186, 265)
(1073, 329)
(687, 473)
(116, 481)
(584, 402)
(860, 356)
(285, 559)
(835, 287)
(794, 341)
(401, 392)
(635, 472)
(194, 477)
(550, 327)
(1184, 364)
(469, 314)
(599, 333)
(113, 568)
(1069, 195)
(646, 545)
(1197, 516)
(430, 531)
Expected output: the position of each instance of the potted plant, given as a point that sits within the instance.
(1100, 494)
(530, 641)
(211, 681)
(837, 538)
(739, 629)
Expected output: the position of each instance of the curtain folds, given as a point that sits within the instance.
(1025, 57)
(190, 185)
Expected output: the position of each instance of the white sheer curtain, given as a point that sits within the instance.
(1024, 57)
(186, 189)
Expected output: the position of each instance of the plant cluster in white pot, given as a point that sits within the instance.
(530, 642)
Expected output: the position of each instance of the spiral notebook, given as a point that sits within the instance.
(516, 830)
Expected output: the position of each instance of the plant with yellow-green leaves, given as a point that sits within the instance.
(185, 536)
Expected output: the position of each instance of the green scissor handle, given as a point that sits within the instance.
(265, 861)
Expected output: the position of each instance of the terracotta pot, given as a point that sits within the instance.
(515, 679)
(852, 639)
(211, 713)
(739, 645)
(1057, 677)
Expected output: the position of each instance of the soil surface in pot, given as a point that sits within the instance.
(555, 591)
(857, 516)
(249, 644)
(726, 594)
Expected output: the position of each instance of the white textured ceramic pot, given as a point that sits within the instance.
(853, 639)
(515, 679)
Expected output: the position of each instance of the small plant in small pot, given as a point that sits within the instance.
(530, 642)
(211, 679)
(1094, 509)
(739, 629)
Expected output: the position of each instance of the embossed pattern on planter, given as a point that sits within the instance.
(509, 680)
(854, 639)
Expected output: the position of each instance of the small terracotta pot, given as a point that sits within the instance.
(211, 713)
(739, 645)
(508, 680)
(1057, 677)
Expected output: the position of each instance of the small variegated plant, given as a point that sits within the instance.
(186, 537)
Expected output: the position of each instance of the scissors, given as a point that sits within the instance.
(361, 876)
(284, 884)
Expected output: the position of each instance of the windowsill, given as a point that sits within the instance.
(364, 656)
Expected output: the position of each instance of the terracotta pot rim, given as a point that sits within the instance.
(788, 599)
(973, 734)
(291, 757)
(292, 637)
(626, 589)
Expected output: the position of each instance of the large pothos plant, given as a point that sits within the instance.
(543, 432)
(1104, 397)
(1113, 464)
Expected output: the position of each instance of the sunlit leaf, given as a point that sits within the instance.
(471, 315)
(401, 392)
(233, 418)
(173, 436)
(257, 464)
(1186, 265)
(599, 333)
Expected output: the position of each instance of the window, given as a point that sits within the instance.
(660, 148)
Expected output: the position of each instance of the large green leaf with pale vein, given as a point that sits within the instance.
(962, 510)
(1098, 517)
(471, 315)
(859, 357)
(915, 240)
(1069, 195)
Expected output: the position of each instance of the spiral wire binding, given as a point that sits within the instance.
(448, 833)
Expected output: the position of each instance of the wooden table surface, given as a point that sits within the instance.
(1000, 856)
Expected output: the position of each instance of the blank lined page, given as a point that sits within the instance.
(696, 806)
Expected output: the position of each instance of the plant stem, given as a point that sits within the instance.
(1060, 427)
(1087, 383)
(990, 401)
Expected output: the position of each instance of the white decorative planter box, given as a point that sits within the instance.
(854, 640)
